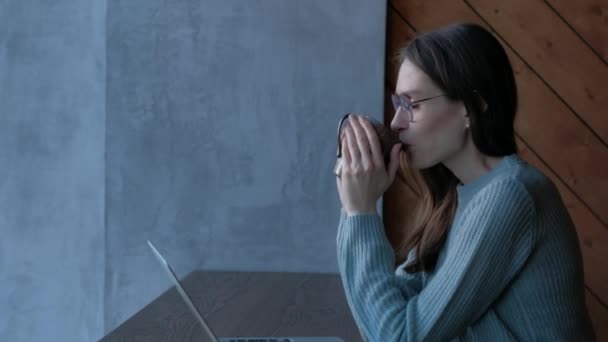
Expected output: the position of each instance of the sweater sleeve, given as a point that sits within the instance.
(487, 247)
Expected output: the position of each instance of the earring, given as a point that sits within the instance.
(466, 125)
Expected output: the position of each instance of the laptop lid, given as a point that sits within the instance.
(182, 292)
(206, 328)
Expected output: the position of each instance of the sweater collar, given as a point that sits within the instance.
(467, 191)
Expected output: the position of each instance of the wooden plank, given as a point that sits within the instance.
(545, 42)
(589, 18)
(398, 34)
(599, 317)
(544, 121)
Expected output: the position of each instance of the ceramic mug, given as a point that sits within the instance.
(387, 138)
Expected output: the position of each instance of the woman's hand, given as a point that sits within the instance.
(364, 177)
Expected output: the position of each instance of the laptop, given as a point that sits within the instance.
(209, 333)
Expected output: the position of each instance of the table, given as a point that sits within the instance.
(245, 304)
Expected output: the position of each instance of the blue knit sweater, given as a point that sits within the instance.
(510, 269)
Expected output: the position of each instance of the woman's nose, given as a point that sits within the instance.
(400, 120)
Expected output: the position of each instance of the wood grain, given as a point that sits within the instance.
(599, 317)
(398, 35)
(556, 53)
(589, 18)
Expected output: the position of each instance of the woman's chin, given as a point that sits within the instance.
(411, 157)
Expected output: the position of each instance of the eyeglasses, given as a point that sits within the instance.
(407, 105)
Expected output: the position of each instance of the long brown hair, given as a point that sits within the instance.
(469, 64)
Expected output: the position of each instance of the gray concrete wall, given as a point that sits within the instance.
(215, 139)
(221, 118)
(52, 125)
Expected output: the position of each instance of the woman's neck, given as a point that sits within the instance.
(470, 164)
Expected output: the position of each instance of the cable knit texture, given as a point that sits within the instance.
(510, 269)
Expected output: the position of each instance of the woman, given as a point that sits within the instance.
(495, 257)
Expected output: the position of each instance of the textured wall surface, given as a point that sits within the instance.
(52, 127)
(221, 118)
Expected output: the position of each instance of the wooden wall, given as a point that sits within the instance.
(559, 52)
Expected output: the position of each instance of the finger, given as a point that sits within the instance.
(377, 156)
(361, 142)
(352, 150)
(343, 130)
(339, 188)
(338, 167)
(346, 154)
(394, 163)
